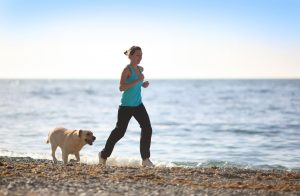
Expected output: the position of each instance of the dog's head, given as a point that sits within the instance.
(87, 136)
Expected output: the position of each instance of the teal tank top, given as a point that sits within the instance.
(132, 96)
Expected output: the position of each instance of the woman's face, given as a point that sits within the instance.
(136, 57)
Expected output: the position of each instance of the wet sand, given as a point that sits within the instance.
(26, 176)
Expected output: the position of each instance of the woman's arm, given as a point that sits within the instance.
(125, 74)
(146, 83)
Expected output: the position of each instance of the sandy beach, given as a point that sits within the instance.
(27, 176)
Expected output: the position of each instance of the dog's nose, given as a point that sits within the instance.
(94, 137)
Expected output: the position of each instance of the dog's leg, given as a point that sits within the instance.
(77, 156)
(65, 157)
(53, 148)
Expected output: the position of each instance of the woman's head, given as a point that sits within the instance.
(134, 54)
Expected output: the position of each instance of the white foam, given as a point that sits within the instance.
(19, 154)
(125, 161)
(111, 161)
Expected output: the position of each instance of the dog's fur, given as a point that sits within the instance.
(70, 142)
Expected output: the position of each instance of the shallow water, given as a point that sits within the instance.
(243, 123)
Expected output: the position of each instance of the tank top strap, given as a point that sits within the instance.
(132, 70)
(139, 69)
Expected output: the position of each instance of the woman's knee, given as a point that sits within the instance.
(118, 132)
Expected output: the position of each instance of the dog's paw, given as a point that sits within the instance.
(73, 161)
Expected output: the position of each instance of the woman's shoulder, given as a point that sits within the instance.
(126, 70)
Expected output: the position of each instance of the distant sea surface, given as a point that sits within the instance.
(234, 123)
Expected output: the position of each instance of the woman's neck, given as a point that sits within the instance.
(133, 64)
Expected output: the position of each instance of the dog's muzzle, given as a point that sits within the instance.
(90, 142)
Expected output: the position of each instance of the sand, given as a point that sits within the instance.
(27, 176)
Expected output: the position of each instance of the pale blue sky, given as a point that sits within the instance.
(180, 39)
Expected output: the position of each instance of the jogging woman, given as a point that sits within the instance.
(132, 79)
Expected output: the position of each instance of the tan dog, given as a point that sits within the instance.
(70, 142)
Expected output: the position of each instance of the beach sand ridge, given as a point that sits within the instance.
(21, 176)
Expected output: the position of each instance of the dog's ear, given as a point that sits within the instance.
(80, 133)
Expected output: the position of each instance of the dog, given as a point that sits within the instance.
(70, 142)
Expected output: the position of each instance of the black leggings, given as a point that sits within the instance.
(124, 115)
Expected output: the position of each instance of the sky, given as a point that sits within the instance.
(200, 39)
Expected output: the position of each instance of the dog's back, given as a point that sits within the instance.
(57, 136)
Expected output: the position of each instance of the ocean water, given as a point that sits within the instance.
(239, 123)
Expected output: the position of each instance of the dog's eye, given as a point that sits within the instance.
(88, 134)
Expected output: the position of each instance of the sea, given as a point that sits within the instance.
(196, 123)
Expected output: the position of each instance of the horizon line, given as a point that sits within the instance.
(250, 78)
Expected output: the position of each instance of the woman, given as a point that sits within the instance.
(132, 79)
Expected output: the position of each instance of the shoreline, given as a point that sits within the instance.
(24, 175)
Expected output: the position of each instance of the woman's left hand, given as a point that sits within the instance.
(145, 84)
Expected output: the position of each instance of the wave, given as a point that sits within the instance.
(136, 162)
(228, 164)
